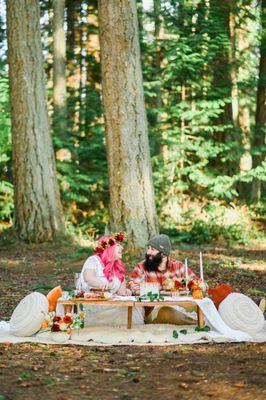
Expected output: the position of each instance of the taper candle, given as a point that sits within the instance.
(201, 267)
(186, 273)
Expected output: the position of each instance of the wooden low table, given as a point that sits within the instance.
(68, 304)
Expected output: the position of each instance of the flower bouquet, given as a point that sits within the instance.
(66, 323)
(173, 287)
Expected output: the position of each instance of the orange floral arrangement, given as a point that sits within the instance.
(67, 323)
(197, 287)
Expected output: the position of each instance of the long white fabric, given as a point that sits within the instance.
(215, 320)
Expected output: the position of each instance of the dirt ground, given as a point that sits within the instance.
(223, 371)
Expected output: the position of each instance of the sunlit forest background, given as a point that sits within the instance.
(204, 78)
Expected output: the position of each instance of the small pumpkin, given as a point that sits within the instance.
(53, 296)
(219, 293)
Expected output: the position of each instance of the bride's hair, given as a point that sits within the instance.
(112, 267)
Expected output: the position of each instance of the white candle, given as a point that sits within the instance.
(201, 267)
(186, 273)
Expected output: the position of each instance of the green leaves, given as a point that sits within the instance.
(175, 334)
(205, 329)
(151, 297)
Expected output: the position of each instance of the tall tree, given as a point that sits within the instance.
(132, 203)
(38, 212)
(59, 68)
(72, 51)
(260, 119)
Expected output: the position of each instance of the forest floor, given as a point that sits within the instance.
(220, 371)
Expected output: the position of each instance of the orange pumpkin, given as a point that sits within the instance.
(219, 293)
(53, 296)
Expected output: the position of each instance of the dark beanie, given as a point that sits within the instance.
(161, 243)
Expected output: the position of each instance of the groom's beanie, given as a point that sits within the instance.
(161, 243)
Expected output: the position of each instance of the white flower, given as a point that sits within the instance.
(63, 326)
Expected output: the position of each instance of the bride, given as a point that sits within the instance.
(105, 270)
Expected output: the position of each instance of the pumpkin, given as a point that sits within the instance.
(53, 296)
(219, 293)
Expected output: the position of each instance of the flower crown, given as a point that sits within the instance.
(116, 238)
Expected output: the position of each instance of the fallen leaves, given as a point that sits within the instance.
(239, 385)
(183, 385)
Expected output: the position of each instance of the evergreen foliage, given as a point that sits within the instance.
(197, 148)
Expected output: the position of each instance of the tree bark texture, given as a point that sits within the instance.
(132, 204)
(38, 211)
(59, 69)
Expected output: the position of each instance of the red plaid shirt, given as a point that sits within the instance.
(175, 271)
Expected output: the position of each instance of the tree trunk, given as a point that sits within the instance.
(38, 211)
(225, 75)
(73, 72)
(132, 203)
(159, 35)
(245, 162)
(259, 133)
(59, 69)
(233, 69)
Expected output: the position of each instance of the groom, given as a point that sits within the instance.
(160, 268)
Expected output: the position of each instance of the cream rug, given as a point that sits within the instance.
(161, 334)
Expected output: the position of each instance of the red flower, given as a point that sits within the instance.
(67, 319)
(119, 237)
(178, 284)
(111, 242)
(55, 328)
(190, 284)
(80, 293)
(56, 318)
(98, 249)
(104, 243)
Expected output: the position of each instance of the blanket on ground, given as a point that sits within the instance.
(161, 334)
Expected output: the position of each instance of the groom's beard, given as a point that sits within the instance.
(152, 263)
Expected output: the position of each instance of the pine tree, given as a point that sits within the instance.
(59, 69)
(132, 204)
(38, 212)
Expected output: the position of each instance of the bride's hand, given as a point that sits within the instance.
(104, 286)
(123, 291)
(135, 288)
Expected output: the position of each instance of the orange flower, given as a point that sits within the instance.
(43, 325)
(69, 331)
(81, 314)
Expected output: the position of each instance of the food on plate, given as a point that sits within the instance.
(97, 296)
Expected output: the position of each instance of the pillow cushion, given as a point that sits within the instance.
(29, 314)
(219, 293)
(53, 296)
(240, 312)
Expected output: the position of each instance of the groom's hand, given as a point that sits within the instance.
(135, 288)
